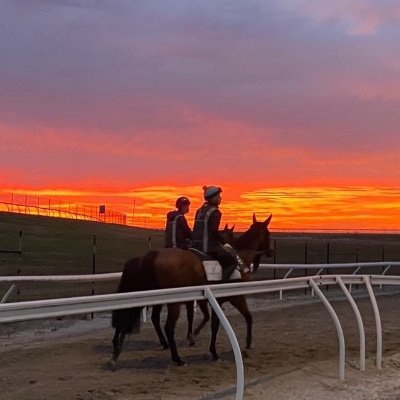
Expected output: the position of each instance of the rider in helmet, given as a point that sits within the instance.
(177, 231)
(206, 236)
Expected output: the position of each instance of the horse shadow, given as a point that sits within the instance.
(155, 363)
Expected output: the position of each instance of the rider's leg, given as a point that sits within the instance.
(228, 264)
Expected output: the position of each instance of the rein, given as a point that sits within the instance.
(241, 265)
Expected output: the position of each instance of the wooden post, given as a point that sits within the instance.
(328, 258)
(305, 262)
(93, 267)
(19, 268)
(328, 253)
(274, 271)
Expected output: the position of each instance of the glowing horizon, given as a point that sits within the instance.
(316, 208)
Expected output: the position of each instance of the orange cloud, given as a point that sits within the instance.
(362, 207)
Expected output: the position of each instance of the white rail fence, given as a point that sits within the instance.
(386, 265)
(87, 304)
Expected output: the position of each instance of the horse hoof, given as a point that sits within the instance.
(216, 357)
(181, 363)
(191, 340)
(113, 365)
(165, 347)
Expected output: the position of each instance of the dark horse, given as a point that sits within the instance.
(227, 234)
(169, 268)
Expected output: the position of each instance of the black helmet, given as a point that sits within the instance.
(182, 201)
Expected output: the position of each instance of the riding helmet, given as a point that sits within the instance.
(182, 201)
(211, 191)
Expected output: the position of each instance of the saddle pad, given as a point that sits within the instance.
(214, 271)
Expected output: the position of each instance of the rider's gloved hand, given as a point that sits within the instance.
(229, 249)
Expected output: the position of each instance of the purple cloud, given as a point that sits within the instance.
(206, 87)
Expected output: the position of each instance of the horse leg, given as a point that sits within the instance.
(118, 341)
(206, 315)
(240, 303)
(155, 319)
(173, 315)
(190, 316)
(214, 332)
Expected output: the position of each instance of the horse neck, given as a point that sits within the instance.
(247, 242)
(247, 255)
(247, 245)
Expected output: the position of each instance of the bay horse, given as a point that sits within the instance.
(228, 236)
(171, 267)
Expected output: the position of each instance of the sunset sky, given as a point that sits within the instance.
(292, 106)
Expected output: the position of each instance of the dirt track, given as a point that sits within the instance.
(295, 354)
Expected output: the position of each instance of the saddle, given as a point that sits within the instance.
(212, 267)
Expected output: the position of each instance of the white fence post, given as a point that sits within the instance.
(384, 272)
(338, 327)
(285, 277)
(234, 342)
(359, 321)
(377, 322)
(8, 293)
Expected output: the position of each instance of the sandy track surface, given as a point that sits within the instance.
(295, 356)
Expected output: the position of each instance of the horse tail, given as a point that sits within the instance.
(128, 320)
(129, 275)
(138, 274)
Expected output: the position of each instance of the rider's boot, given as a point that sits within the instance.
(227, 272)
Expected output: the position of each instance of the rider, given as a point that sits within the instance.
(177, 231)
(206, 236)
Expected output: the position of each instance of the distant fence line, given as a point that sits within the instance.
(335, 230)
(36, 205)
(24, 204)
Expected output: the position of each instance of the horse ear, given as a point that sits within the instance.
(233, 227)
(254, 218)
(268, 220)
(226, 227)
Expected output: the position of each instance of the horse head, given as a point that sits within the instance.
(256, 242)
(228, 235)
(261, 232)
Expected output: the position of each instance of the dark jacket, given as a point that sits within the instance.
(177, 231)
(206, 236)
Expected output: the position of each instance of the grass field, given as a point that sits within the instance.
(52, 246)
